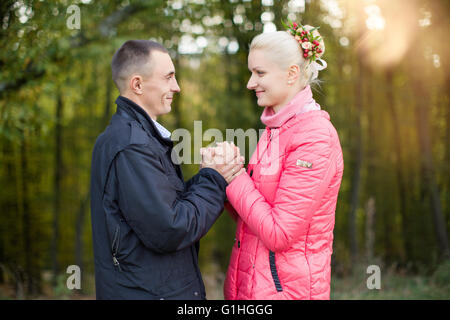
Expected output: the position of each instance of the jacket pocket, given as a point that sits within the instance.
(273, 270)
(115, 247)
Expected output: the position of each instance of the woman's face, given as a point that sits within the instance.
(268, 80)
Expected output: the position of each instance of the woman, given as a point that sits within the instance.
(285, 202)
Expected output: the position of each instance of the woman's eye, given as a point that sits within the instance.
(259, 73)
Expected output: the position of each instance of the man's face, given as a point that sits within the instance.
(159, 88)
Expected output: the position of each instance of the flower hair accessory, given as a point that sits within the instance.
(310, 43)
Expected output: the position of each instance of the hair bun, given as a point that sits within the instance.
(309, 39)
(317, 34)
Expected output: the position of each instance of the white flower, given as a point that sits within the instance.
(306, 45)
(310, 53)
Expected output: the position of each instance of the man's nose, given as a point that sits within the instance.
(175, 87)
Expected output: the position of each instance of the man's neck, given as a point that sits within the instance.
(136, 100)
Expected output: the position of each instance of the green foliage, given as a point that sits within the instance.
(61, 291)
(441, 276)
(46, 67)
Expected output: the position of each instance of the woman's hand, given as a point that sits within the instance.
(224, 158)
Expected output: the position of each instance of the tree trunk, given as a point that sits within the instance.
(79, 233)
(358, 158)
(399, 165)
(372, 165)
(84, 204)
(447, 149)
(26, 215)
(108, 100)
(370, 229)
(446, 166)
(423, 132)
(7, 206)
(58, 169)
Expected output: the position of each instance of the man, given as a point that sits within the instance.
(146, 221)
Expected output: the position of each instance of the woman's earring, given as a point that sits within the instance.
(289, 81)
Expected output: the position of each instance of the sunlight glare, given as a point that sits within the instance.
(375, 20)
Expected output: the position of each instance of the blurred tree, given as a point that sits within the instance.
(390, 108)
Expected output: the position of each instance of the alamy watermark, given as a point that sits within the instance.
(187, 146)
(74, 280)
(374, 280)
(74, 20)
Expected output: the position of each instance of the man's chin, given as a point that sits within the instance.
(167, 109)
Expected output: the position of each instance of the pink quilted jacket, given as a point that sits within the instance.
(285, 206)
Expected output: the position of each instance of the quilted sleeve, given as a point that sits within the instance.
(308, 170)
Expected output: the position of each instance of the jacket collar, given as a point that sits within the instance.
(302, 102)
(129, 109)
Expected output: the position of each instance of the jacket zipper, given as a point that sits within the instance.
(115, 247)
(269, 143)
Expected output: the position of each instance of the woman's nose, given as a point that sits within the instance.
(251, 83)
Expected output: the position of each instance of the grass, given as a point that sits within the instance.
(395, 285)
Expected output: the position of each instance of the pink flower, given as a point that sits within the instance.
(306, 45)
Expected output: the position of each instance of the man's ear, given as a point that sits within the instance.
(136, 84)
(293, 73)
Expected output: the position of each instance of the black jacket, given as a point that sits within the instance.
(146, 221)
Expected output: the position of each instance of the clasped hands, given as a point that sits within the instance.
(224, 158)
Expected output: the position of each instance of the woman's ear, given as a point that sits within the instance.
(293, 73)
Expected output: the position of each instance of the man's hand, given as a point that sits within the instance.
(225, 158)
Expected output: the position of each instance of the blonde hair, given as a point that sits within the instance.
(284, 50)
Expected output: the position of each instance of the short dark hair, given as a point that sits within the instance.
(130, 58)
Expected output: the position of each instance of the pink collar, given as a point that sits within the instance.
(301, 103)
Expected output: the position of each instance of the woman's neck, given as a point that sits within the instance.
(289, 97)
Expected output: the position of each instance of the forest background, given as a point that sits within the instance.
(386, 89)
